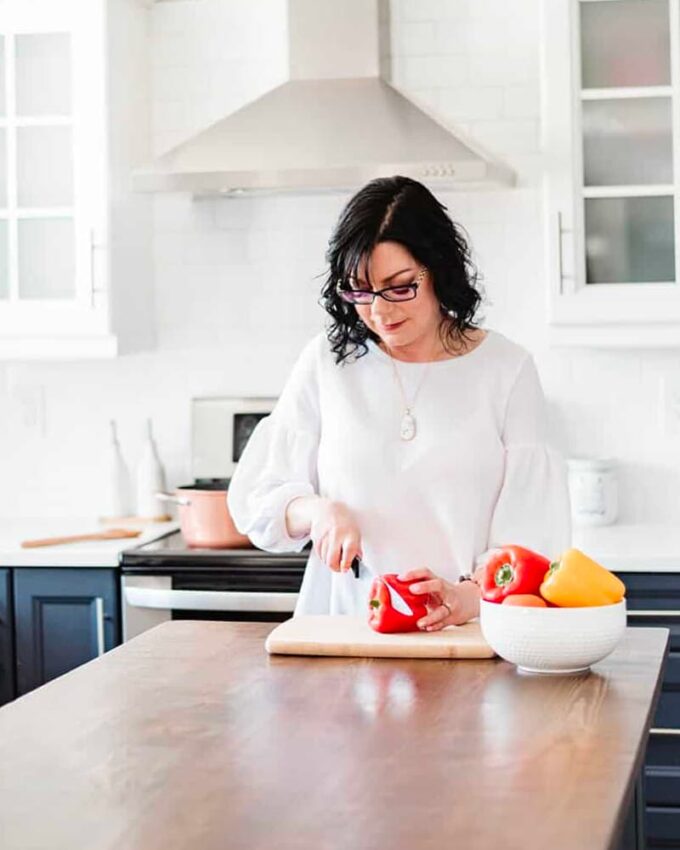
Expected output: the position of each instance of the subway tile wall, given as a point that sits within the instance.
(237, 281)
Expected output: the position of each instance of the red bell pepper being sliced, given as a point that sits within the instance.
(510, 570)
(383, 616)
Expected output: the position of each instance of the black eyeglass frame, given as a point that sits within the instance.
(415, 283)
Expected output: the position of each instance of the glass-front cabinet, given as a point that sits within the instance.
(611, 133)
(56, 140)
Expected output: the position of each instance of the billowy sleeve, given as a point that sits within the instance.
(532, 509)
(279, 462)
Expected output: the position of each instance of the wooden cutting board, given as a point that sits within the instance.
(352, 636)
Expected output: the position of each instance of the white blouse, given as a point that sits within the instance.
(479, 472)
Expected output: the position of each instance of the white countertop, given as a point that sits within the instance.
(626, 548)
(95, 553)
(632, 548)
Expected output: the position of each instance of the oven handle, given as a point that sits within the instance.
(209, 600)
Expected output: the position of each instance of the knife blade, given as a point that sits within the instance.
(398, 603)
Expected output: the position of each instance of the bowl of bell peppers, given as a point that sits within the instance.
(558, 617)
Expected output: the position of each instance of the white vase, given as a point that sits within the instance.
(117, 487)
(150, 478)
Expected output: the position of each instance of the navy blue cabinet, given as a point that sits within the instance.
(653, 600)
(64, 617)
(7, 683)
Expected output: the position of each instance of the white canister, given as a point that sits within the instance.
(593, 491)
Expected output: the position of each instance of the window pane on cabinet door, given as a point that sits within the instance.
(44, 167)
(4, 277)
(627, 141)
(625, 43)
(3, 106)
(43, 74)
(46, 258)
(3, 168)
(629, 240)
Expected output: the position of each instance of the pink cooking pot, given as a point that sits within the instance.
(204, 517)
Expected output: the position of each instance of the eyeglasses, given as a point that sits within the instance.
(404, 292)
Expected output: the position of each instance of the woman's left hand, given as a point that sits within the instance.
(447, 604)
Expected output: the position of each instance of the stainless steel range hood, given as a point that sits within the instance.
(336, 123)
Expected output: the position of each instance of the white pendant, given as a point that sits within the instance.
(408, 427)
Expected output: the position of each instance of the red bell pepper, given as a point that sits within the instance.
(510, 570)
(383, 616)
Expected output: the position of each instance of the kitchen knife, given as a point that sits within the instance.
(355, 566)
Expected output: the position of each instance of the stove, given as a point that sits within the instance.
(165, 579)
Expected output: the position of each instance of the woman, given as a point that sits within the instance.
(405, 434)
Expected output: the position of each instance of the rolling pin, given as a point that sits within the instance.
(109, 534)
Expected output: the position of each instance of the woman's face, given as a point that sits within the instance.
(412, 324)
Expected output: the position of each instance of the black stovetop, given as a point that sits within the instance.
(170, 551)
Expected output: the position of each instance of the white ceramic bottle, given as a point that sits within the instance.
(117, 501)
(150, 478)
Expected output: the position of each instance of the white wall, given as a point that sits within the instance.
(236, 284)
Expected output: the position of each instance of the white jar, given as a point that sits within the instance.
(593, 491)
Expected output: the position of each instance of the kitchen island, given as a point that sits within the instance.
(190, 736)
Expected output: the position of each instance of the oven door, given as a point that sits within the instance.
(149, 600)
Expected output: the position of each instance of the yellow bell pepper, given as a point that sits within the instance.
(576, 581)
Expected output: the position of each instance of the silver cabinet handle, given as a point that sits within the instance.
(99, 615)
(209, 600)
(667, 732)
(94, 289)
(559, 252)
(659, 612)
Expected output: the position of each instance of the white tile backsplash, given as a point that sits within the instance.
(237, 280)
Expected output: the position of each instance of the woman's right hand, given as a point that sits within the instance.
(335, 535)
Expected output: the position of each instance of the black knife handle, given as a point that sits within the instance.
(355, 567)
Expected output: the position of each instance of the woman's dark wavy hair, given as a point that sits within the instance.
(398, 209)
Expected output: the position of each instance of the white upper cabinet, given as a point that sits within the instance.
(61, 118)
(611, 103)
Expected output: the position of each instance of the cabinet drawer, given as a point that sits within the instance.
(662, 786)
(663, 826)
(652, 620)
(662, 770)
(668, 710)
(652, 590)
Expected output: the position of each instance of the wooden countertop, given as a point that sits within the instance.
(190, 736)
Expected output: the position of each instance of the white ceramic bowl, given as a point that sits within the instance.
(552, 640)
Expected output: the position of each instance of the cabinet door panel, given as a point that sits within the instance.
(668, 710)
(63, 619)
(662, 785)
(7, 683)
(629, 240)
(43, 74)
(628, 141)
(652, 590)
(4, 278)
(625, 43)
(663, 827)
(46, 258)
(44, 167)
(3, 65)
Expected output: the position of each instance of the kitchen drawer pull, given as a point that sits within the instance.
(99, 614)
(658, 612)
(669, 732)
(560, 271)
(209, 600)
